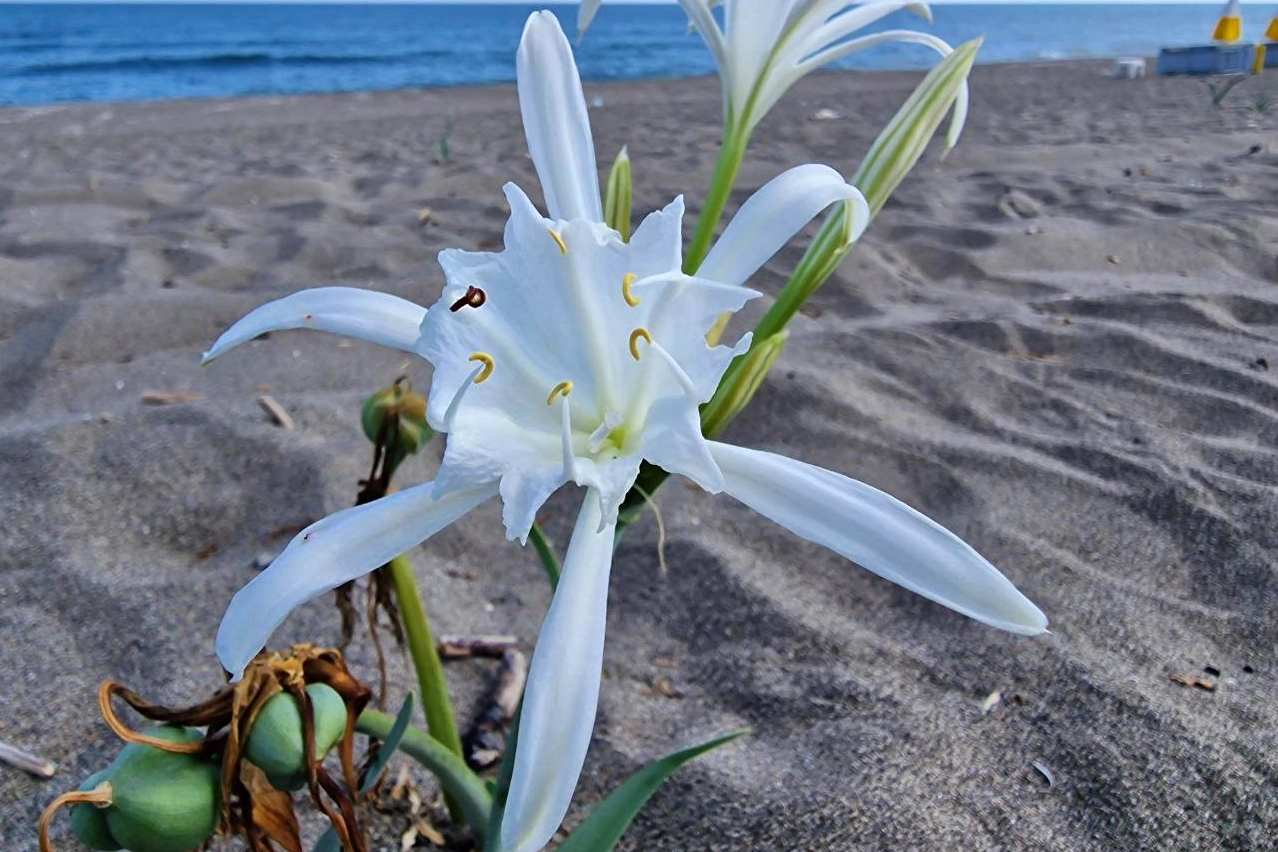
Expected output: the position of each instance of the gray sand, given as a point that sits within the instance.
(1088, 395)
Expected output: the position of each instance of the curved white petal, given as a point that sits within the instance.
(330, 552)
(586, 14)
(558, 716)
(879, 533)
(847, 48)
(702, 19)
(830, 28)
(365, 314)
(773, 215)
(555, 121)
(752, 32)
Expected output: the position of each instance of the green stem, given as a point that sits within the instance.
(460, 784)
(725, 177)
(546, 552)
(430, 671)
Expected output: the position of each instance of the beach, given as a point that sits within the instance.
(1060, 341)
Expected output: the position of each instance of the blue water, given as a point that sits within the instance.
(111, 52)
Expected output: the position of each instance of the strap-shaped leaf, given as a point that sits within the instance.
(455, 777)
(392, 741)
(328, 841)
(609, 820)
(501, 790)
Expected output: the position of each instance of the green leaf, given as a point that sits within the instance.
(546, 553)
(455, 777)
(502, 789)
(617, 196)
(392, 741)
(609, 820)
(329, 841)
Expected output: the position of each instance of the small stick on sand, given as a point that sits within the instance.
(158, 397)
(276, 412)
(486, 740)
(20, 759)
(462, 647)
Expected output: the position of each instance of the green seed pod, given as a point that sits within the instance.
(409, 411)
(163, 802)
(89, 822)
(275, 743)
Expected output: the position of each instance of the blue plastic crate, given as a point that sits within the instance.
(1208, 59)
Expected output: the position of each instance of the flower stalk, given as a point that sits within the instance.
(731, 155)
(421, 648)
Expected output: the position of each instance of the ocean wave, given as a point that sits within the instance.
(232, 59)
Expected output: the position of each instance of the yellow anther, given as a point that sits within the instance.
(564, 387)
(485, 359)
(631, 299)
(563, 248)
(634, 341)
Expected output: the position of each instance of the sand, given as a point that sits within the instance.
(1061, 342)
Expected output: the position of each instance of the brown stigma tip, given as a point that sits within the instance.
(474, 298)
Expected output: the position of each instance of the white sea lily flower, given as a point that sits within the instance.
(765, 46)
(572, 356)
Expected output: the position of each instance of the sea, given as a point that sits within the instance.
(59, 53)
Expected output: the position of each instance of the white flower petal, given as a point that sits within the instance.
(659, 238)
(752, 32)
(673, 442)
(686, 309)
(330, 552)
(609, 479)
(879, 533)
(555, 121)
(702, 18)
(364, 314)
(847, 48)
(558, 715)
(523, 490)
(829, 28)
(773, 215)
(586, 14)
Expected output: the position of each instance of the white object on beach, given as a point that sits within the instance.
(1128, 68)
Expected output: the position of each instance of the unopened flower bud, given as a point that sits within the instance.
(275, 744)
(617, 195)
(740, 384)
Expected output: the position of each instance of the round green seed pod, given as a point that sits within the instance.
(89, 822)
(407, 407)
(163, 802)
(275, 744)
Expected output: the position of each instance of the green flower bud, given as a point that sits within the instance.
(163, 802)
(89, 822)
(617, 195)
(275, 744)
(740, 384)
(409, 411)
